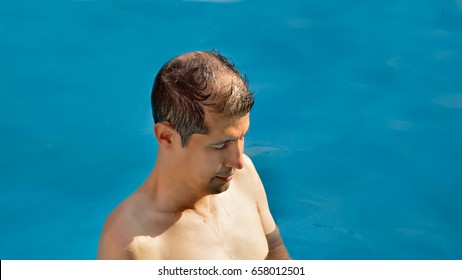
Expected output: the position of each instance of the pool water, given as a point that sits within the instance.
(356, 130)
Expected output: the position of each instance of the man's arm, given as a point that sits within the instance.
(276, 247)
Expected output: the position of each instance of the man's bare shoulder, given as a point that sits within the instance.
(254, 183)
(117, 233)
(249, 174)
(247, 181)
(126, 222)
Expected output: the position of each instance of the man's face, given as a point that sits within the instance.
(209, 161)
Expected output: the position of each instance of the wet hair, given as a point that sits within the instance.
(191, 85)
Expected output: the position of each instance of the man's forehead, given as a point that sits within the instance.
(219, 122)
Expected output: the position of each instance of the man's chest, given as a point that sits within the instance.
(237, 236)
(232, 232)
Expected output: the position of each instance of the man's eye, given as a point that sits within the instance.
(220, 146)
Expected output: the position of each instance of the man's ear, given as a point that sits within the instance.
(164, 133)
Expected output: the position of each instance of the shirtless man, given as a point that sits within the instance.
(203, 198)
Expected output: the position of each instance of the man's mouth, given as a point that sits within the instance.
(226, 177)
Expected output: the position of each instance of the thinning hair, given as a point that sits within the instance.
(191, 85)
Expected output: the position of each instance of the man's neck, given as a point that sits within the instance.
(173, 196)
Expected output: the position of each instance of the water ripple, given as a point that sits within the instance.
(450, 101)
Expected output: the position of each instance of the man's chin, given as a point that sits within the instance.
(220, 188)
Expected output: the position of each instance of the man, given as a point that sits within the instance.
(204, 198)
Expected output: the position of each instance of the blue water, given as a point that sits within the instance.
(356, 131)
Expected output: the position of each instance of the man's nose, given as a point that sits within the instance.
(235, 157)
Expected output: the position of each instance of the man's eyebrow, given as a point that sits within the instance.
(222, 142)
(229, 139)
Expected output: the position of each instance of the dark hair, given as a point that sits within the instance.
(192, 84)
